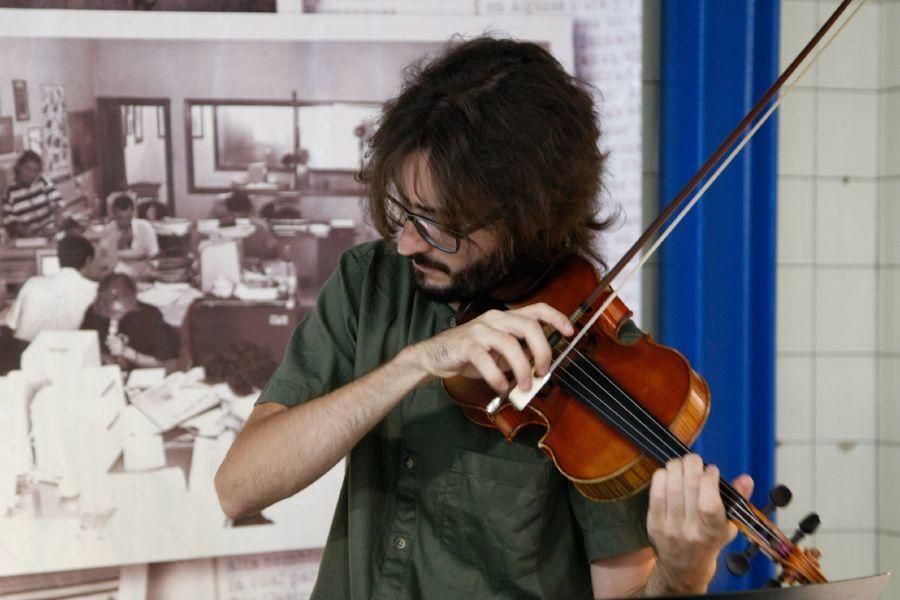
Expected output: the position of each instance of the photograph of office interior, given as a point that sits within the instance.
(171, 210)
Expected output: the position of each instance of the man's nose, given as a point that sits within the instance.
(410, 241)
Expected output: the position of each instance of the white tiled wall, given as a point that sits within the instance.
(838, 392)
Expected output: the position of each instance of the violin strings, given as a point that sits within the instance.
(740, 509)
(739, 504)
(741, 513)
(662, 433)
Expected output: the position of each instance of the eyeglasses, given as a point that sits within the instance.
(439, 236)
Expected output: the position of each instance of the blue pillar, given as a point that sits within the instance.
(717, 271)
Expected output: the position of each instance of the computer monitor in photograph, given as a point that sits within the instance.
(47, 261)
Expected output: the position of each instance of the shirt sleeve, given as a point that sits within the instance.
(611, 528)
(320, 356)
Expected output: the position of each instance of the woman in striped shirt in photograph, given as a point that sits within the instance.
(31, 207)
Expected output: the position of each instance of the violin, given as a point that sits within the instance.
(615, 412)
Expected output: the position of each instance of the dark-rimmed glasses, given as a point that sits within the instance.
(436, 235)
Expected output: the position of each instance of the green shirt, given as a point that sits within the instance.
(433, 506)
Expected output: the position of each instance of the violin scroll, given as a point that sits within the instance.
(799, 565)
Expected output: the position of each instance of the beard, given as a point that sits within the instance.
(465, 285)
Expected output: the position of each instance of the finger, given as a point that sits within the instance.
(709, 503)
(674, 491)
(656, 510)
(530, 330)
(484, 363)
(693, 473)
(509, 348)
(744, 485)
(549, 315)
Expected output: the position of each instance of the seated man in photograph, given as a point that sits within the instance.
(133, 240)
(31, 207)
(49, 302)
(260, 244)
(132, 334)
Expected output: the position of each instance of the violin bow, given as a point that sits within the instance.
(715, 164)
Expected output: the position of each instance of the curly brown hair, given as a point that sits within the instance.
(510, 138)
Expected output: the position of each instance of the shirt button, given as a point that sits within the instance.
(408, 462)
(400, 543)
(451, 322)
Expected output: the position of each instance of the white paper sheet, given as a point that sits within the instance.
(143, 452)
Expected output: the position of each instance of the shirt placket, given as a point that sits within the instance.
(401, 537)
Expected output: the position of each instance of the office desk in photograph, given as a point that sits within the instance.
(315, 257)
(213, 324)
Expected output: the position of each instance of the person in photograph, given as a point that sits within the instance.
(32, 205)
(132, 241)
(132, 334)
(152, 210)
(484, 172)
(262, 243)
(49, 302)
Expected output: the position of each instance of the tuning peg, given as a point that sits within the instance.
(808, 526)
(738, 563)
(779, 497)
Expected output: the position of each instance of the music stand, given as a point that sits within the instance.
(862, 588)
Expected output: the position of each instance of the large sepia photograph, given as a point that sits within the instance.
(171, 210)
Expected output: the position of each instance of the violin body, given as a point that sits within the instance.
(600, 462)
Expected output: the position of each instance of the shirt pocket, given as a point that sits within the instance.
(491, 513)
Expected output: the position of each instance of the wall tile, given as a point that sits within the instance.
(797, 134)
(889, 222)
(890, 64)
(794, 468)
(794, 398)
(889, 401)
(846, 219)
(888, 312)
(795, 221)
(854, 58)
(889, 488)
(845, 398)
(845, 486)
(890, 132)
(799, 22)
(794, 319)
(845, 310)
(846, 555)
(847, 134)
(889, 560)
(651, 127)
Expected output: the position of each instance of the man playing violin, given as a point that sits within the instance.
(483, 172)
